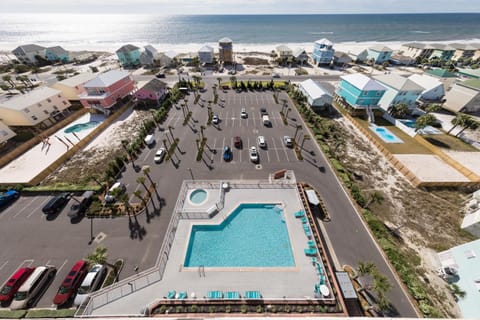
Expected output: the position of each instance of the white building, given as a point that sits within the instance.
(5, 133)
(399, 90)
(73, 87)
(205, 54)
(284, 53)
(317, 96)
(434, 90)
(37, 107)
(300, 56)
(463, 97)
(27, 53)
(471, 221)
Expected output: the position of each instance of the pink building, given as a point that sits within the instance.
(152, 92)
(107, 89)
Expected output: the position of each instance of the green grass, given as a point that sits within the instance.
(446, 141)
(16, 314)
(62, 187)
(112, 275)
(50, 313)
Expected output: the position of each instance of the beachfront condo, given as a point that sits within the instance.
(379, 54)
(205, 54)
(358, 54)
(148, 56)
(28, 53)
(442, 51)
(433, 89)
(108, 88)
(5, 133)
(225, 50)
(40, 107)
(57, 54)
(284, 53)
(152, 92)
(399, 90)
(464, 97)
(129, 56)
(466, 51)
(323, 52)
(72, 87)
(341, 58)
(357, 92)
(416, 49)
(300, 56)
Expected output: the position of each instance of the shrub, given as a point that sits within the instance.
(228, 308)
(243, 309)
(193, 308)
(259, 309)
(211, 309)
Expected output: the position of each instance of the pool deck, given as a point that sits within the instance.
(274, 283)
(30, 164)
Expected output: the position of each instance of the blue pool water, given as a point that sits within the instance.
(254, 235)
(409, 123)
(386, 135)
(81, 126)
(426, 130)
(198, 196)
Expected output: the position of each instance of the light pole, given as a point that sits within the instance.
(191, 173)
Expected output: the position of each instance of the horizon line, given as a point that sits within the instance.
(244, 14)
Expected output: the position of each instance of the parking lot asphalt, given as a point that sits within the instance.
(31, 237)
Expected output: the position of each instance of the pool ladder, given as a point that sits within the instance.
(201, 271)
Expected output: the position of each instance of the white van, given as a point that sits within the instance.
(266, 121)
(110, 196)
(32, 287)
(149, 140)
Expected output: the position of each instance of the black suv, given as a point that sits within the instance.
(80, 205)
(55, 204)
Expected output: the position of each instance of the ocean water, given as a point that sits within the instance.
(111, 30)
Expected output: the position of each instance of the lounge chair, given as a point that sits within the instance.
(310, 251)
(311, 244)
(304, 220)
(214, 294)
(299, 214)
(252, 295)
(232, 295)
(314, 260)
(319, 269)
(182, 295)
(322, 279)
(171, 294)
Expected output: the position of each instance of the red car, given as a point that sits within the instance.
(71, 283)
(13, 284)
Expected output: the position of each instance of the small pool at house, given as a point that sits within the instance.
(385, 134)
(253, 235)
(426, 130)
(198, 196)
(81, 126)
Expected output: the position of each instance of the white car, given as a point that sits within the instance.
(91, 283)
(253, 154)
(159, 155)
(243, 113)
(288, 141)
(215, 119)
(262, 143)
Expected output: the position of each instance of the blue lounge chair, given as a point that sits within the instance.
(322, 279)
(314, 260)
(232, 295)
(252, 295)
(299, 214)
(319, 269)
(214, 294)
(171, 294)
(310, 251)
(311, 244)
(182, 295)
(304, 220)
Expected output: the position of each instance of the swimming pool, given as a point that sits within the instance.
(385, 134)
(198, 196)
(81, 126)
(253, 235)
(426, 130)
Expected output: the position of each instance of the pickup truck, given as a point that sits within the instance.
(8, 196)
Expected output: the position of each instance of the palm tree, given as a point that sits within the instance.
(138, 194)
(424, 121)
(296, 129)
(365, 268)
(201, 130)
(457, 292)
(165, 144)
(99, 256)
(146, 172)
(433, 108)
(399, 110)
(288, 110)
(233, 81)
(95, 178)
(141, 180)
(375, 197)
(470, 123)
(170, 128)
(4, 87)
(460, 120)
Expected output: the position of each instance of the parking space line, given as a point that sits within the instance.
(146, 156)
(132, 196)
(275, 121)
(47, 263)
(25, 207)
(63, 264)
(268, 155)
(286, 153)
(41, 205)
(275, 148)
(3, 265)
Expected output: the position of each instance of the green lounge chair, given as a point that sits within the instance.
(214, 294)
(182, 295)
(171, 294)
(252, 295)
(232, 295)
(310, 251)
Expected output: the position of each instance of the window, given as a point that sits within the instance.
(49, 100)
(378, 93)
(26, 110)
(45, 111)
(364, 93)
(55, 108)
(34, 118)
(39, 105)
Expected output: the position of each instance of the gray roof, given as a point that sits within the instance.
(418, 45)
(225, 40)
(314, 89)
(29, 48)
(57, 50)
(154, 85)
(324, 41)
(398, 82)
(127, 48)
(150, 48)
(206, 48)
(283, 47)
(106, 79)
(439, 46)
(299, 52)
(380, 48)
(21, 101)
(465, 46)
(78, 79)
(362, 82)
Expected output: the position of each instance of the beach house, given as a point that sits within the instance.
(129, 56)
(72, 87)
(379, 54)
(442, 51)
(300, 56)
(399, 90)
(225, 50)
(323, 52)
(341, 58)
(433, 89)
(5, 133)
(40, 107)
(28, 53)
(57, 54)
(205, 54)
(464, 97)
(166, 59)
(466, 51)
(105, 90)
(317, 96)
(357, 93)
(417, 50)
(284, 53)
(401, 60)
(469, 73)
(152, 92)
(147, 57)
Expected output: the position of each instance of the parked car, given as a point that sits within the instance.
(215, 119)
(160, 75)
(227, 153)
(116, 189)
(237, 142)
(149, 140)
(263, 112)
(253, 154)
(12, 285)
(80, 205)
(8, 196)
(262, 143)
(275, 75)
(92, 282)
(243, 113)
(55, 204)
(159, 155)
(32, 287)
(71, 283)
(288, 141)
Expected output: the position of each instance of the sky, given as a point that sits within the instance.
(169, 7)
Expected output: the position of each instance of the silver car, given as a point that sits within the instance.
(91, 283)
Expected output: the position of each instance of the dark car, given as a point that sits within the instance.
(237, 142)
(263, 112)
(160, 75)
(56, 203)
(71, 283)
(227, 154)
(80, 205)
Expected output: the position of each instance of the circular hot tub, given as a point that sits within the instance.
(198, 196)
